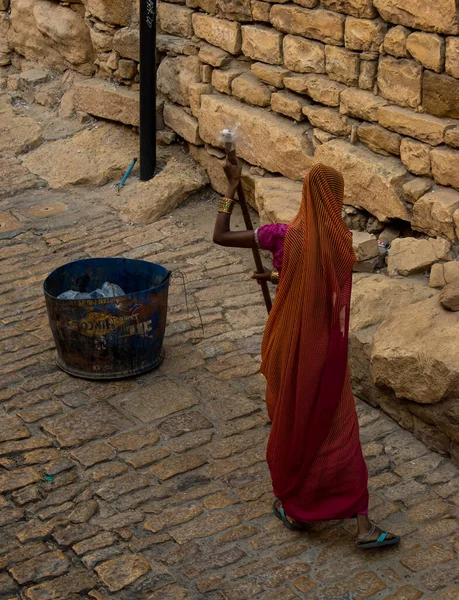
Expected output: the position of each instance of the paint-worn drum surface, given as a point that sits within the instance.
(108, 338)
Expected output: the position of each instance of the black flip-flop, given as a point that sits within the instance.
(381, 542)
(280, 514)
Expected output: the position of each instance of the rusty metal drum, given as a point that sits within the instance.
(108, 338)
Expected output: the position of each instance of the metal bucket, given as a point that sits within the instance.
(108, 338)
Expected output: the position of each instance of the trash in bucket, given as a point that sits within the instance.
(108, 290)
(108, 337)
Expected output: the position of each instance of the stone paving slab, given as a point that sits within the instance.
(156, 488)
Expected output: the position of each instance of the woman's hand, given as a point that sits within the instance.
(233, 174)
(260, 277)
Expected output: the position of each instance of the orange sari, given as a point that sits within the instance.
(314, 451)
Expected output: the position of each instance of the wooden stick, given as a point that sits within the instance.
(232, 157)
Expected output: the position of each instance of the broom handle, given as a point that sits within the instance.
(232, 157)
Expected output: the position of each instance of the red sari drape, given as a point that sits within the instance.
(314, 451)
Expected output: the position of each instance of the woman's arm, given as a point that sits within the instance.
(223, 236)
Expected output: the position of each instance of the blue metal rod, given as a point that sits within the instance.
(126, 175)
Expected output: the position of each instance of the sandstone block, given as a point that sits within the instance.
(213, 167)
(433, 212)
(272, 75)
(206, 73)
(222, 79)
(93, 156)
(365, 245)
(17, 134)
(277, 199)
(270, 141)
(399, 81)
(176, 182)
(211, 160)
(377, 297)
(452, 137)
(445, 166)
(98, 419)
(449, 297)
(437, 278)
(362, 171)
(327, 119)
(235, 10)
(32, 77)
(101, 41)
(250, 89)
(428, 49)
(18, 478)
(342, 65)
(14, 178)
(395, 42)
(321, 137)
(175, 75)
(368, 74)
(303, 56)
(425, 128)
(49, 564)
(262, 43)
(127, 69)
(451, 271)
(414, 189)
(365, 583)
(50, 34)
(318, 24)
(196, 90)
(218, 32)
(117, 573)
(363, 9)
(440, 17)
(182, 123)
(379, 140)
(4, 29)
(207, 6)
(410, 255)
(452, 56)
(114, 12)
(364, 35)
(415, 353)
(289, 104)
(361, 104)
(78, 581)
(216, 57)
(176, 45)
(440, 95)
(175, 19)
(415, 156)
(318, 87)
(102, 99)
(261, 11)
(305, 3)
(176, 465)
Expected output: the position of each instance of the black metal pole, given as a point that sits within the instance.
(147, 89)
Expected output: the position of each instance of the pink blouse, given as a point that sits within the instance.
(272, 237)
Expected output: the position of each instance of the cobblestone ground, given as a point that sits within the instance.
(156, 488)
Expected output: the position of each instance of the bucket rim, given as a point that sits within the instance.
(167, 275)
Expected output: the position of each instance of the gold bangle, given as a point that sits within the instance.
(226, 206)
(275, 277)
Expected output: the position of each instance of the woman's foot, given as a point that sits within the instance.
(370, 536)
(290, 523)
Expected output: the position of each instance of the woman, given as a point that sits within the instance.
(314, 451)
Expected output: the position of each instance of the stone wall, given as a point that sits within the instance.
(370, 87)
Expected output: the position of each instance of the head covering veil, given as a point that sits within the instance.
(305, 345)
